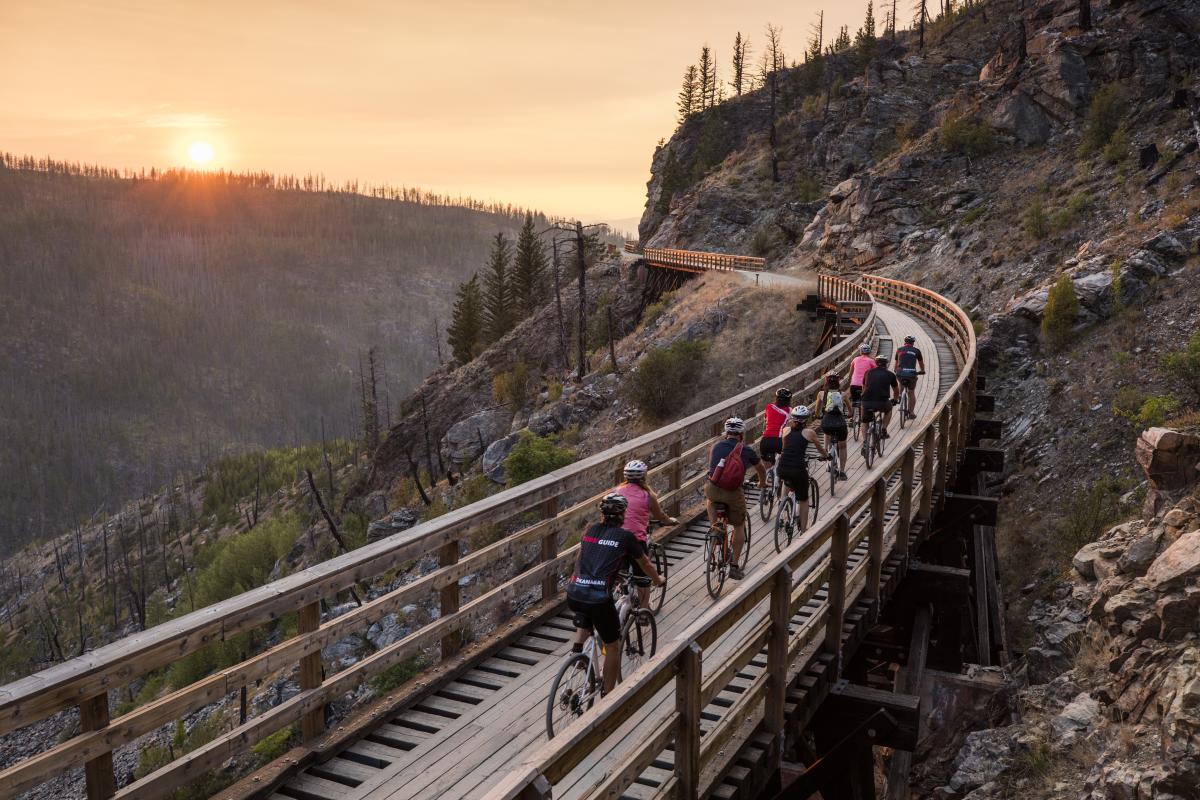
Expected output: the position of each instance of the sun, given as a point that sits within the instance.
(200, 152)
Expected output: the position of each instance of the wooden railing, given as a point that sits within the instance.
(881, 509)
(695, 261)
(633, 246)
(562, 499)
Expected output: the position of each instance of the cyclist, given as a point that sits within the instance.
(721, 465)
(774, 418)
(881, 391)
(643, 505)
(908, 359)
(605, 548)
(834, 413)
(859, 367)
(793, 461)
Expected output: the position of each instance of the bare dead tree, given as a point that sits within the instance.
(562, 328)
(612, 349)
(415, 473)
(333, 528)
(582, 260)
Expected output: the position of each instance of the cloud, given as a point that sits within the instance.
(183, 121)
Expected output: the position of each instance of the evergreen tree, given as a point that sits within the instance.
(816, 42)
(842, 42)
(706, 71)
(687, 95)
(466, 321)
(497, 291)
(741, 49)
(865, 38)
(529, 269)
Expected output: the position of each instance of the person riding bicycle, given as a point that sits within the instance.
(643, 506)
(604, 550)
(793, 460)
(881, 391)
(908, 359)
(859, 367)
(834, 410)
(727, 464)
(774, 418)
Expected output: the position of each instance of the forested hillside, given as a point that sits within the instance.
(152, 323)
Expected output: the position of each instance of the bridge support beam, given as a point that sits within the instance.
(687, 730)
(98, 773)
(312, 724)
(449, 598)
(838, 547)
(851, 705)
(985, 429)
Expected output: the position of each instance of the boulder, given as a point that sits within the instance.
(1169, 457)
(468, 438)
(1084, 561)
(1066, 78)
(1139, 555)
(1080, 715)
(396, 522)
(386, 631)
(1023, 118)
(1178, 613)
(492, 462)
(1131, 604)
(984, 755)
(1168, 246)
(1176, 564)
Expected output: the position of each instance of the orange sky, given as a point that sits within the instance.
(555, 105)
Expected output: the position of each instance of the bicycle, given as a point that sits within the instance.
(768, 494)
(834, 467)
(856, 419)
(873, 444)
(785, 523)
(578, 683)
(907, 402)
(718, 549)
(658, 557)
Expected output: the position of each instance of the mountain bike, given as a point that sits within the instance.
(718, 549)
(786, 524)
(907, 401)
(768, 494)
(873, 444)
(856, 419)
(658, 557)
(578, 684)
(834, 466)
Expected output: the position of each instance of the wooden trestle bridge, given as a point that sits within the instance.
(733, 682)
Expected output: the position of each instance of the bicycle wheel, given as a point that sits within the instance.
(639, 639)
(572, 693)
(746, 542)
(657, 596)
(714, 563)
(834, 466)
(766, 496)
(784, 524)
(857, 420)
(879, 440)
(814, 498)
(903, 409)
(868, 449)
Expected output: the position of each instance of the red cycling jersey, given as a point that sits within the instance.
(776, 417)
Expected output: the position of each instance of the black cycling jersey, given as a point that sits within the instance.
(795, 452)
(878, 384)
(907, 358)
(603, 551)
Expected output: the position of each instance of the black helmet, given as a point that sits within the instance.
(909, 339)
(783, 395)
(613, 506)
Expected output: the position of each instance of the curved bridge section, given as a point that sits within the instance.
(471, 722)
(695, 260)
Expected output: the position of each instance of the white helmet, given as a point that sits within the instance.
(800, 413)
(635, 470)
(735, 425)
(865, 349)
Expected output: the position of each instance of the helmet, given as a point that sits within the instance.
(909, 339)
(800, 412)
(865, 349)
(881, 360)
(735, 425)
(613, 505)
(783, 395)
(833, 380)
(635, 470)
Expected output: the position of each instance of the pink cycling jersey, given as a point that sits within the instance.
(774, 419)
(637, 516)
(859, 368)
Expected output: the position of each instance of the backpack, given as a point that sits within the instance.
(730, 471)
(833, 401)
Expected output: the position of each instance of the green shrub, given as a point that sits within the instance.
(966, 137)
(808, 188)
(154, 756)
(1105, 115)
(234, 478)
(511, 388)
(1183, 366)
(275, 745)
(533, 456)
(664, 377)
(1117, 148)
(763, 242)
(1062, 310)
(395, 677)
(1037, 224)
(1077, 207)
(1088, 512)
(974, 215)
(1117, 305)
(1142, 410)
(554, 391)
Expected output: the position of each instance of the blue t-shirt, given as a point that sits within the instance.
(725, 447)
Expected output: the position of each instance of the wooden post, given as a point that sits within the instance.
(550, 548)
(777, 655)
(675, 476)
(93, 716)
(907, 470)
(448, 599)
(837, 590)
(875, 544)
(687, 730)
(952, 439)
(312, 724)
(943, 439)
(927, 466)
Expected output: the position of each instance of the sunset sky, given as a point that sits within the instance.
(556, 105)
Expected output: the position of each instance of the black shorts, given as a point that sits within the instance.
(909, 381)
(855, 393)
(797, 481)
(837, 432)
(770, 447)
(601, 617)
(871, 406)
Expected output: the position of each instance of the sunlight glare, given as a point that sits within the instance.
(200, 152)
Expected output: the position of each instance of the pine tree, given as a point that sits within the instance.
(842, 42)
(529, 269)
(687, 95)
(816, 42)
(497, 291)
(922, 15)
(741, 49)
(715, 93)
(466, 321)
(865, 38)
(705, 70)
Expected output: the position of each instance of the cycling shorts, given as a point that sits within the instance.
(837, 432)
(855, 393)
(770, 447)
(601, 617)
(872, 406)
(797, 481)
(907, 378)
